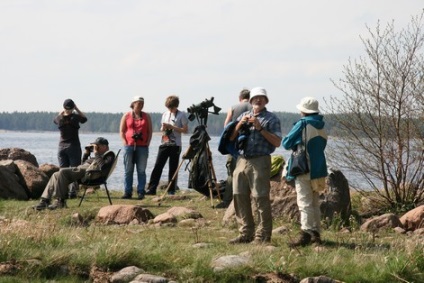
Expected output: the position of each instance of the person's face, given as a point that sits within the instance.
(99, 148)
(258, 103)
(138, 105)
(68, 111)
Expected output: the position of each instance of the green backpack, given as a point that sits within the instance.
(277, 161)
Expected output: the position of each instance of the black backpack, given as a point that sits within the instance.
(199, 172)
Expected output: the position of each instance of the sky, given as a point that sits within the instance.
(102, 53)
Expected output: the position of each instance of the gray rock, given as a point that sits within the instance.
(229, 261)
(126, 274)
(149, 279)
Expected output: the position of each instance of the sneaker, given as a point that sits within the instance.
(140, 196)
(126, 196)
(241, 240)
(43, 204)
(58, 203)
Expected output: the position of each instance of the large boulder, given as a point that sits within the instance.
(336, 201)
(35, 179)
(49, 169)
(11, 186)
(413, 219)
(18, 154)
(21, 178)
(383, 222)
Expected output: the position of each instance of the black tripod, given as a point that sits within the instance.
(200, 141)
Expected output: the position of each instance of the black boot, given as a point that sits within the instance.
(58, 203)
(304, 239)
(315, 237)
(43, 204)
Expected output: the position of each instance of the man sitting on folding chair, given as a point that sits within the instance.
(93, 168)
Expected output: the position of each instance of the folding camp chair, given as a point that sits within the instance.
(101, 181)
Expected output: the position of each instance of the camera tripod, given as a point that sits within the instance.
(211, 180)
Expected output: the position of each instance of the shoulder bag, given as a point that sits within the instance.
(299, 162)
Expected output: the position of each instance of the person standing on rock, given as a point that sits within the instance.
(309, 185)
(261, 130)
(69, 154)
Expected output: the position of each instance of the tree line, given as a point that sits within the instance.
(109, 122)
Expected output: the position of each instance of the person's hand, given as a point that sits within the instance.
(167, 126)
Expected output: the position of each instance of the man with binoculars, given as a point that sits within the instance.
(91, 169)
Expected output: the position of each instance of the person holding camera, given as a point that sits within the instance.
(69, 153)
(136, 133)
(58, 185)
(251, 177)
(233, 113)
(309, 185)
(174, 123)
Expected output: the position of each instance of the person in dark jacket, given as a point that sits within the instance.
(309, 185)
(69, 154)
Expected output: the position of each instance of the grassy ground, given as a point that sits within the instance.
(47, 246)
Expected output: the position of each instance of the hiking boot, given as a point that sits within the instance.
(43, 204)
(223, 204)
(150, 192)
(304, 239)
(58, 203)
(126, 196)
(315, 237)
(241, 240)
(261, 241)
(140, 196)
(72, 195)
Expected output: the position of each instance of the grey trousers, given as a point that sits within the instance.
(58, 185)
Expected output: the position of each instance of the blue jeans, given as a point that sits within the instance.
(138, 158)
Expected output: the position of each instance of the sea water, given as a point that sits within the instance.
(44, 146)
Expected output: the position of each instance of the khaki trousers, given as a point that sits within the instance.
(251, 185)
(57, 187)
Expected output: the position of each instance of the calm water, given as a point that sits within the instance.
(44, 147)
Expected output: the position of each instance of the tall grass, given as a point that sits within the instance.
(47, 245)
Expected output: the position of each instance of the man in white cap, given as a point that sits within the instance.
(309, 130)
(57, 187)
(251, 179)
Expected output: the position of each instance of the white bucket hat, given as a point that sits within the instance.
(135, 99)
(308, 105)
(258, 91)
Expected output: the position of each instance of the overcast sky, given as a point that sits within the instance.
(101, 53)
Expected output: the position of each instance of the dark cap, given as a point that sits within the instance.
(68, 104)
(101, 140)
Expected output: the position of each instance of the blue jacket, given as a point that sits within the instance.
(316, 143)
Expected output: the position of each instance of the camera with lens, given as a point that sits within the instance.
(137, 136)
(201, 110)
(168, 131)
